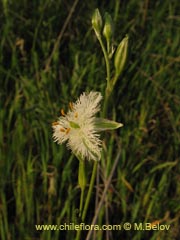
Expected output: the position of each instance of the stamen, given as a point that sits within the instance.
(62, 130)
(76, 115)
(71, 105)
(55, 123)
(62, 112)
(67, 130)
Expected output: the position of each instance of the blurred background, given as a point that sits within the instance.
(49, 55)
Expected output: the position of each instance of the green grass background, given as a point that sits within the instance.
(49, 55)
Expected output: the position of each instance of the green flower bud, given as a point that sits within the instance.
(120, 57)
(108, 27)
(97, 22)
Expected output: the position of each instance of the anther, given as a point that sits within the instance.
(62, 130)
(62, 112)
(67, 130)
(55, 123)
(76, 115)
(71, 105)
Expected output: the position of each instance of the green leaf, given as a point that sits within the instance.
(102, 124)
(164, 165)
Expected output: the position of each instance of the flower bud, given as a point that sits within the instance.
(120, 56)
(97, 22)
(108, 27)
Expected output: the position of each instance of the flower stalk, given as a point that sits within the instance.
(82, 183)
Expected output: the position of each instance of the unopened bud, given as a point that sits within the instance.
(120, 56)
(97, 22)
(108, 27)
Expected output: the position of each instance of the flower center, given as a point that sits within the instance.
(74, 125)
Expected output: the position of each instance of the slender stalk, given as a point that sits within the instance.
(81, 202)
(82, 182)
(93, 176)
(108, 73)
(106, 61)
(78, 235)
(106, 99)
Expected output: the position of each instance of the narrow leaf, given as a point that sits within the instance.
(164, 165)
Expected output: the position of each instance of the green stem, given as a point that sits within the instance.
(80, 212)
(107, 94)
(81, 202)
(78, 235)
(108, 77)
(82, 182)
(108, 47)
(106, 61)
(93, 176)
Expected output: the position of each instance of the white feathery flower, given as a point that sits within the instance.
(77, 127)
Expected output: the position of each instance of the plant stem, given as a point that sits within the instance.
(106, 61)
(81, 202)
(108, 75)
(78, 235)
(107, 94)
(82, 182)
(93, 176)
